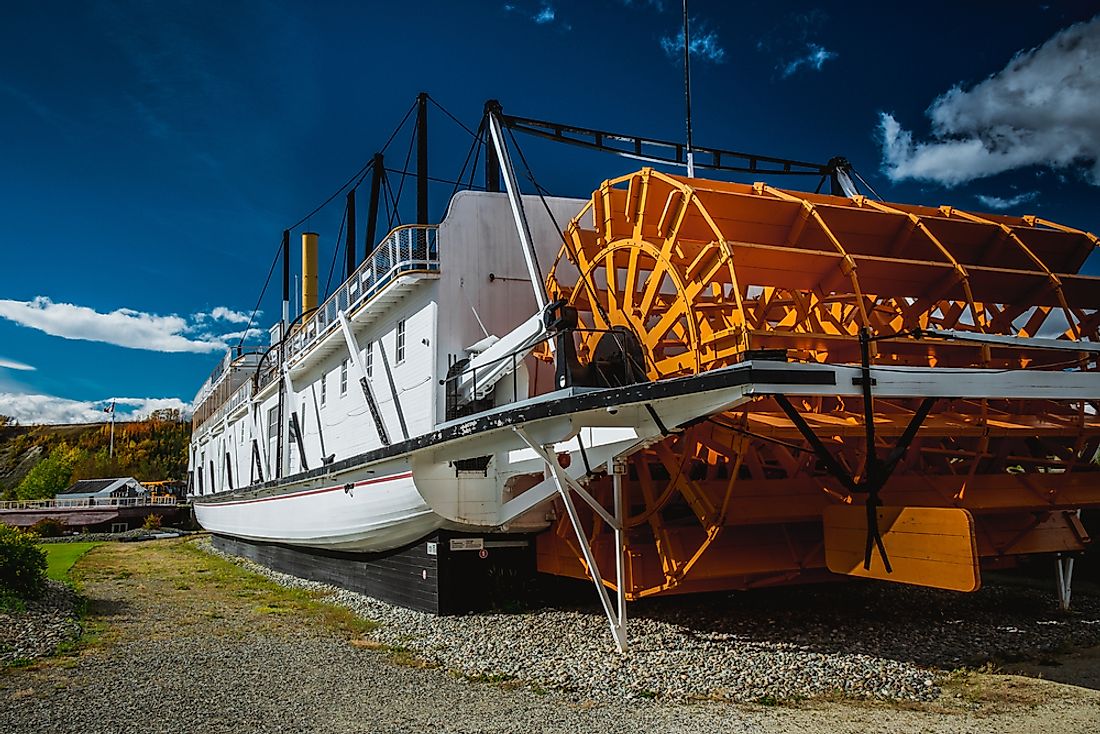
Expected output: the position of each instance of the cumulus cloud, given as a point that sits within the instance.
(705, 45)
(11, 364)
(221, 313)
(1042, 109)
(123, 327)
(813, 57)
(542, 13)
(999, 202)
(31, 409)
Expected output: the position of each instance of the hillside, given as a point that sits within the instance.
(37, 461)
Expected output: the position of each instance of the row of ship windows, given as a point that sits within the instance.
(368, 367)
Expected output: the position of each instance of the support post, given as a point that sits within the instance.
(286, 281)
(618, 471)
(422, 158)
(1063, 570)
(349, 238)
(377, 173)
(492, 165)
(496, 133)
(616, 618)
(364, 382)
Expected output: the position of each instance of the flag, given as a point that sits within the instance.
(110, 408)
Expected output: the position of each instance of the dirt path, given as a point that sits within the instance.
(189, 643)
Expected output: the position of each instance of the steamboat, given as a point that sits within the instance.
(675, 385)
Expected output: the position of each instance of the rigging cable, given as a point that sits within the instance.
(404, 171)
(572, 253)
(360, 174)
(336, 252)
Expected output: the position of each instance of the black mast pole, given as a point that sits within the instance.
(492, 165)
(422, 158)
(349, 240)
(286, 277)
(372, 212)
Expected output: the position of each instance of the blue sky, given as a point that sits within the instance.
(154, 151)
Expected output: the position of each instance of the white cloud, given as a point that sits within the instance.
(123, 327)
(11, 364)
(221, 313)
(999, 202)
(705, 45)
(1042, 109)
(29, 409)
(814, 57)
(545, 15)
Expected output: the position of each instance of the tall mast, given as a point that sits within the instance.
(687, 94)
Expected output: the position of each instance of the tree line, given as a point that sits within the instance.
(153, 449)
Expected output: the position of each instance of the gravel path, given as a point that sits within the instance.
(856, 641)
(187, 646)
(45, 623)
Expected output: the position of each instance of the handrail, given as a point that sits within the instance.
(87, 502)
(406, 248)
(409, 247)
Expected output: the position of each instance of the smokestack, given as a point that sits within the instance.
(309, 271)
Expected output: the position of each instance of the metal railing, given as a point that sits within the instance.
(87, 502)
(409, 248)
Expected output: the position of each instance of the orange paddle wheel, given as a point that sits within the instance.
(704, 274)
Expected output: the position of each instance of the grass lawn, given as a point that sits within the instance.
(60, 557)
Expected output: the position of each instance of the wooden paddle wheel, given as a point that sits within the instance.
(673, 276)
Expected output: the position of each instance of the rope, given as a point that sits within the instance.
(453, 118)
(336, 253)
(267, 282)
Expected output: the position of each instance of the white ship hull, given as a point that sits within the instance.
(366, 512)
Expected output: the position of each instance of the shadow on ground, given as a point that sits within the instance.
(1012, 624)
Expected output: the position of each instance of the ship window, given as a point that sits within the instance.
(272, 423)
(344, 377)
(370, 359)
(400, 341)
(324, 387)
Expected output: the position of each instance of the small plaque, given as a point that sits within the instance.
(467, 544)
(433, 548)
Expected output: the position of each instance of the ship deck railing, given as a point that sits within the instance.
(88, 502)
(409, 248)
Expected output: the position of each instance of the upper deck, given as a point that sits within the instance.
(407, 254)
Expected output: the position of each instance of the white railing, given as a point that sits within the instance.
(409, 248)
(406, 249)
(88, 502)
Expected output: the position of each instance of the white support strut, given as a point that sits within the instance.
(511, 186)
(616, 618)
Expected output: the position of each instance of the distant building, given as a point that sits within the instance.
(90, 491)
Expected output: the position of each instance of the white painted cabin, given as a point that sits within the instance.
(414, 307)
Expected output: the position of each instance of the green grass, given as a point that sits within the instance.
(60, 557)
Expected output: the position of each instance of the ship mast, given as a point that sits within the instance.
(687, 95)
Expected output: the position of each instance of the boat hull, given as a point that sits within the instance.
(373, 508)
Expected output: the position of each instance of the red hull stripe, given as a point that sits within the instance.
(306, 493)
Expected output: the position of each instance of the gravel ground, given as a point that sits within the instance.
(46, 623)
(187, 648)
(858, 640)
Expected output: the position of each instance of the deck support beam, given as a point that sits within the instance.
(616, 615)
(364, 381)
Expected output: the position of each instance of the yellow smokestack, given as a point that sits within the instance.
(309, 271)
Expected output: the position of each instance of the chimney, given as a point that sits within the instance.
(309, 271)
